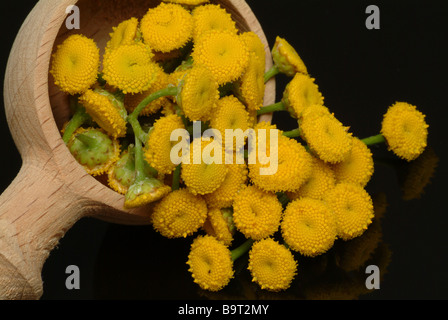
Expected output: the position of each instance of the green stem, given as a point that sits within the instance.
(79, 118)
(279, 106)
(138, 131)
(176, 178)
(139, 161)
(292, 134)
(85, 139)
(169, 91)
(379, 138)
(272, 72)
(242, 249)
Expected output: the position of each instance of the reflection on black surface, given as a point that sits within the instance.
(138, 263)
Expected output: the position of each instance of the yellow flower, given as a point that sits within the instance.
(300, 93)
(211, 17)
(219, 224)
(293, 167)
(107, 111)
(144, 191)
(255, 45)
(327, 138)
(287, 59)
(321, 180)
(309, 227)
(158, 147)
(271, 265)
(130, 68)
(198, 94)
(353, 209)
(122, 173)
(223, 52)
(167, 27)
(224, 195)
(357, 167)
(206, 169)
(405, 130)
(132, 100)
(179, 214)
(251, 85)
(75, 64)
(94, 150)
(256, 213)
(230, 114)
(124, 33)
(210, 263)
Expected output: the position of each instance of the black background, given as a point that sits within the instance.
(360, 73)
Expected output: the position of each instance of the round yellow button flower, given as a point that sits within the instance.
(326, 137)
(211, 17)
(300, 93)
(219, 224)
(198, 93)
(206, 168)
(256, 213)
(405, 130)
(223, 52)
(130, 68)
(251, 85)
(158, 148)
(107, 111)
(75, 64)
(287, 59)
(357, 167)
(210, 263)
(179, 214)
(167, 27)
(124, 33)
(309, 226)
(271, 265)
(321, 180)
(293, 166)
(352, 207)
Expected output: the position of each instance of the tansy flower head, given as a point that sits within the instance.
(131, 100)
(352, 207)
(327, 138)
(292, 170)
(130, 68)
(167, 27)
(211, 17)
(309, 226)
(158, 147)
(198, 93)
(405, 130)
(271, 265)
(210, 263)
(255, 46)
(124, 33)
(287, 59)
(300, 93)
(75, 64)
(94, 150)
(223, 52)
(179, 214)
(219, 224)
(357, 167)
(145, 191)
(206, 169)
(233, 182)
(256, 213)
(230, 114)
(321, 180)
(251, 85)
(106, 110)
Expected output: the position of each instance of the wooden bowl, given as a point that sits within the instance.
(52, 191)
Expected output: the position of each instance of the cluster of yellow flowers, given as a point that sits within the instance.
(184, 62)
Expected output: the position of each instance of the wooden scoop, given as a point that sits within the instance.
(52, 191)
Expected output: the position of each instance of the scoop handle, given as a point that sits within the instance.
(35, 211)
